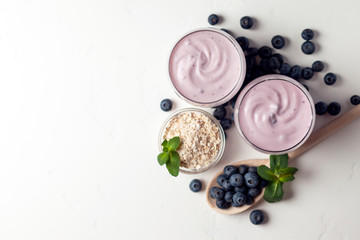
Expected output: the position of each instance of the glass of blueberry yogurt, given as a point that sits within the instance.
(207, 67)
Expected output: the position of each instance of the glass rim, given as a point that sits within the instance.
(217, 124)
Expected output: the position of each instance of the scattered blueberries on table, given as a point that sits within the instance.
(226, 123)
(243, 42)
(220, 113)
(295, 72)
(307, 73)
(278, 42)
(285, 69)
(330, 78)
(355, 99)
(246, 22)
(195, 185)
(320, 108)
(213, 19)
(334, 108)
(308, 47)
(257, 217)
(274, 63)
(166, 105)
(307, 34)
(265, 52)
(317, 66)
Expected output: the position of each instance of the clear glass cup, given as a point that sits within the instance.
(207, 67)
(275, 114)
(220, 152)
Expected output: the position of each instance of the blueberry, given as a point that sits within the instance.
(334, 108)
(257, 217)
(166, 105)
(307, 34)
(251, 51)
(252, 169)
(243, 42)
(229, 196)
(213, 19)
(320, 108)
(254, 192)
(317, 66)
(236, 180)
(279, 57)
(265, 65)
(250, 62)
(246, 22)
(251, 179)
(220, 179)
(265, 52)
(227, 186)
(295, 72)
(307, 73)
(308, 47)
(226, 123)
(278, 42)
(219, 113)
(195, 185)
(222, 204)
(355, 100)
(249, 200)
(330, 78)
(285, 69)
(274, 63)
(229, 170)
(242, 189)
(243, 169)
(217, 193)
(239, 199)
(233, 101)
(263, 183)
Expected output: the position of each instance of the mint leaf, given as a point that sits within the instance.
(173, 165)
(163, 158)
(169, 156)
(286, 178)
(266, 173)
(164, 143)
(278, 161)
(288, 170)
(173, 143)
(274, 192)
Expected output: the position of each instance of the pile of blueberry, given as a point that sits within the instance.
(237, 186)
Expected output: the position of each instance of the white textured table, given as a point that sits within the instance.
(80, 87)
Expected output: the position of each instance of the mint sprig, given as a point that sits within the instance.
(169, 156)
(277, 174)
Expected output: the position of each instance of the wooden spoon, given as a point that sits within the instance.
(314, 139)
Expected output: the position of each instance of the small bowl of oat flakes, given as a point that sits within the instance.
(202, 139)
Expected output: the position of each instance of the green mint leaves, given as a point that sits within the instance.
(277, 174)
(169, 156)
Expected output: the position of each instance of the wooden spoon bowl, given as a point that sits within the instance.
(314, 139)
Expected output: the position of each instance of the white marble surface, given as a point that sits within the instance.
(80, 87)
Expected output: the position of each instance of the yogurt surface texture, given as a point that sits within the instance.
(207, 67)
(275, 114)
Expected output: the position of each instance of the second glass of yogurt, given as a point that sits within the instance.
(207, 67)
(275, 114)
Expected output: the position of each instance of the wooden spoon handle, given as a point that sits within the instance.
(327, 130)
